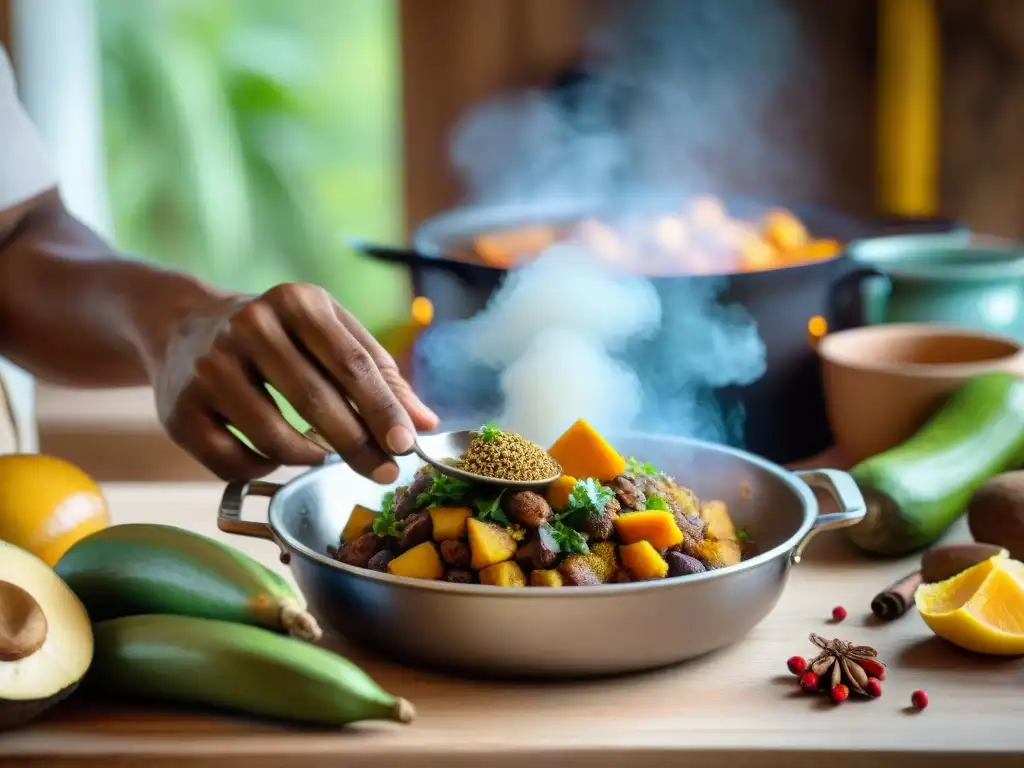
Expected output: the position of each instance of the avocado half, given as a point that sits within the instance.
(46, 641)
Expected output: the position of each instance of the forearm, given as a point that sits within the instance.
(72, 312)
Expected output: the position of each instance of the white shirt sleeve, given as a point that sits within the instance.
(25, 168)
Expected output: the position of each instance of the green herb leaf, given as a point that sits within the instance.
(743, 536)
(636, 467)
(384, 524)
(590, 496)
(489, 431)
(489, 510)
(568, 540)
(443, 490)
(656, 502)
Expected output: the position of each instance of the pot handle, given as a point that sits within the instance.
(857, 298)
(470, 274)
(841, 487)
(229, 515)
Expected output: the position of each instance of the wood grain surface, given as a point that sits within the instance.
(738, 706)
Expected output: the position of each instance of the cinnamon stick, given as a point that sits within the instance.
(895, 600)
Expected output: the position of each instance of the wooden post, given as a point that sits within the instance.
(456, 53)
(5, 25)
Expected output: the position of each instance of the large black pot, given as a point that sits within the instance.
(783, 413)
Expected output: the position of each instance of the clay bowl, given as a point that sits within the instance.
(883, 382)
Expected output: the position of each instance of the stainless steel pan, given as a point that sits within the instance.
(568, 632)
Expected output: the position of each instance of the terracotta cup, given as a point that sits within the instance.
(883, 382)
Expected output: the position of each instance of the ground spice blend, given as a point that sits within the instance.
(507, 456)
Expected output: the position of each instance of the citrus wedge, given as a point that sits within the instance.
(981, 609)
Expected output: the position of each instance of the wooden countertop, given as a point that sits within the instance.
(737, 706)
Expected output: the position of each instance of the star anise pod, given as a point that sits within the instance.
(843, 662)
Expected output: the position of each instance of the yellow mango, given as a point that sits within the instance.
(583, 453)
(543, 578)
(358, 519)
(449, 522)
(488, 544)
(557, 493)
(653, 525)
(504, 574)
(420, 562)
(643, 561)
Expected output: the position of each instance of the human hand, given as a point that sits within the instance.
(298, 339)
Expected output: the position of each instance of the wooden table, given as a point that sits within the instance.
(736, 707)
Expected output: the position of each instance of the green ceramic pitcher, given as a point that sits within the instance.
(911, 278)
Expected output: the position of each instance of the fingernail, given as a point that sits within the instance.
(385, 474)
(399, 439)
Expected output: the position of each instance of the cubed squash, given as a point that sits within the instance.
(545, 578)
(718, 553)
(558, 492)
(583, 453)
(719, 524)
(420, 562)
(358, 519)
(449, 522)
(643, 561)
(504, 574)
(653, 525)
(489, 544)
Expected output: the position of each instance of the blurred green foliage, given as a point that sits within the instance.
(246, 139)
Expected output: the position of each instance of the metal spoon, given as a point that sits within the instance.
(437, 450)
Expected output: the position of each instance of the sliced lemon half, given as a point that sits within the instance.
(980, 609)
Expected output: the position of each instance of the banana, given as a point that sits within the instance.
(245, 669)
(138, 568)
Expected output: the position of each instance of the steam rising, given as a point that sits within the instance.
(677, 109)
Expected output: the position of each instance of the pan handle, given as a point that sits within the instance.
(229, 515)
(841, 487)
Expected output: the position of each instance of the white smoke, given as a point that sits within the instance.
(685, 97)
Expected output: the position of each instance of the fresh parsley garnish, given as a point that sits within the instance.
(385, 524)
(443, 490)
(587, 498)
(636, 467)
(489, 510)
(568, 540)
(488, 431)
(744, 536)
(656, 502)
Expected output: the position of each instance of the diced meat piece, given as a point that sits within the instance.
(578, 573)
(404, 503)
(601, 527)
(538, 551)
(362, 549)
(379, 562)
(628, 492)
(460, 576)
(418, 528)
(621, 576)
(526, 508)
(455, 553)
(683, 565)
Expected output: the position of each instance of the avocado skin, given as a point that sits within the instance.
(916, 491)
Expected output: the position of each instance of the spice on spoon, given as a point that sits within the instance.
(501, 455)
